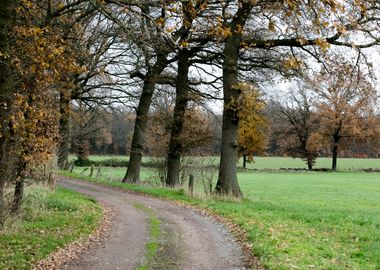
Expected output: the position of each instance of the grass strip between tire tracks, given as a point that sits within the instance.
(151, 247)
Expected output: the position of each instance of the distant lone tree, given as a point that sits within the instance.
(301, 137)
(345, 102)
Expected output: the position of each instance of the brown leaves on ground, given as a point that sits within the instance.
(73, 251)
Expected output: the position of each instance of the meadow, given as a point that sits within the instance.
(273, 163)
(313, 220)
(299, 219)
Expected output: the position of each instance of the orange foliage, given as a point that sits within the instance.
(42, 62)
(345, 101)
(252, 123)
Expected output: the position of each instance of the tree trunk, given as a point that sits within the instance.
(175, 144)
(83, 149)
(64, 132)
(244, 162)
(19, 188)
(309, 164)
(7, 20)
(21, 167)
(137, 147)
(2, 203)
(133, 172)
(335, 152)
(227, 181)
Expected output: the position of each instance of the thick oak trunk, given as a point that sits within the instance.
(227, 181)
(175, 144)
(137, 147)
(64, 132)
(134, 165)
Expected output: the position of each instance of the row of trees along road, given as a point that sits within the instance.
(99, 53)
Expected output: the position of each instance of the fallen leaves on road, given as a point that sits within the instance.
(72, 251)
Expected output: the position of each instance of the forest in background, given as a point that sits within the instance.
(110, 133)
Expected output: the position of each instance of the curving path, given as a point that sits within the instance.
(188, 239)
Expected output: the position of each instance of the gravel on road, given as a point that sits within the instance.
(188, 240)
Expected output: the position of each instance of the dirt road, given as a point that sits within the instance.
(187, 238)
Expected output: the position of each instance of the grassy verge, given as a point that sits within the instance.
(49, 221)
(300, 220)
(151, 247)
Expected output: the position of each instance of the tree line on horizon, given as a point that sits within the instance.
(290, 129)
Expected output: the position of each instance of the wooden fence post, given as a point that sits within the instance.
(51, 181)
(98, 172)
(91, 170)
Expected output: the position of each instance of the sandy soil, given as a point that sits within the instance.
(189, 239)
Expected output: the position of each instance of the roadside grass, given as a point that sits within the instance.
(273, 163)
(113, 173)
(49, 220)
(299, 220)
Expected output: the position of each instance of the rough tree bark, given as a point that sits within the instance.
(227, 181)
(134, 165)
(175, 144)
(64, 131)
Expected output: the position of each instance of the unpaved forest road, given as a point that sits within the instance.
(188, 240)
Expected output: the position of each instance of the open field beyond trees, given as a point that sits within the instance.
(260, 163)
(294, 220)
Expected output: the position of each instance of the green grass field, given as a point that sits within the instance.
(313, 220)
(299, 220)
(285, 162)
(344, 164)
(49, 220)
(114, 173)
